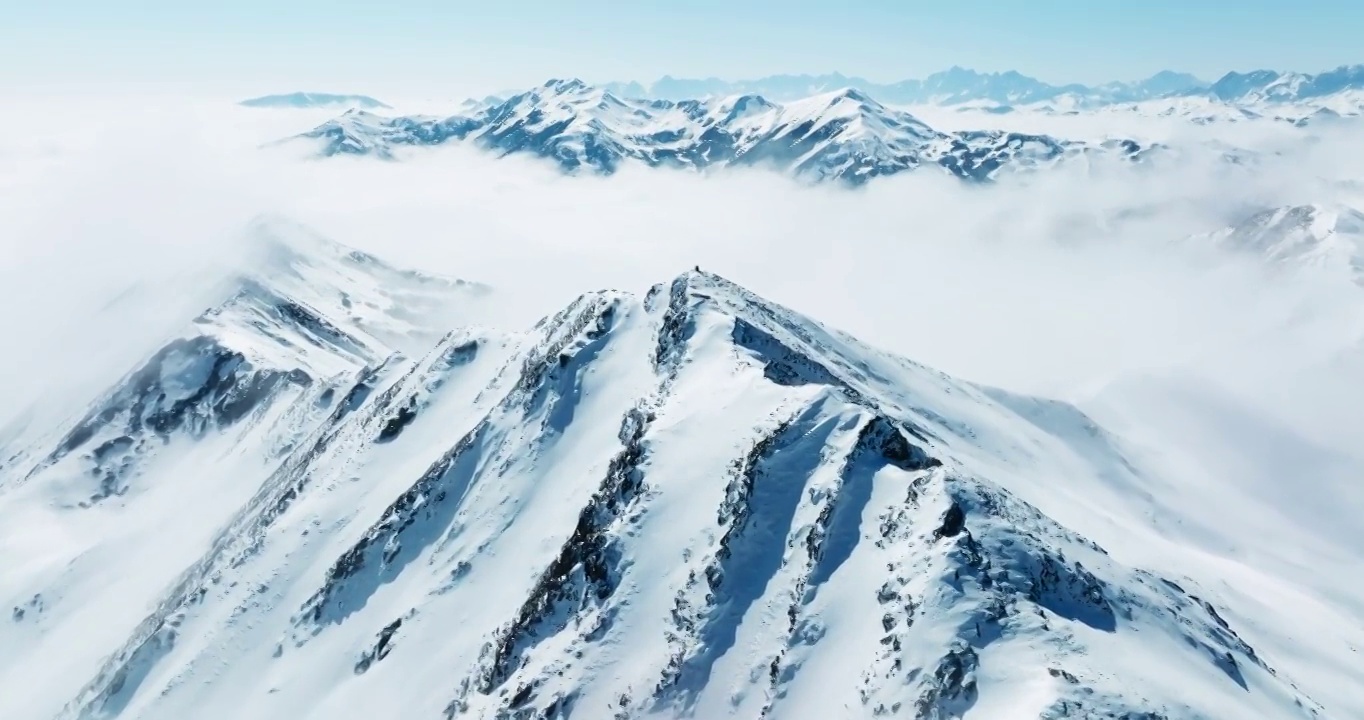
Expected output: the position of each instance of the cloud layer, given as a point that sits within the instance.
(1056, 283)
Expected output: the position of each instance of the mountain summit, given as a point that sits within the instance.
(691, 502)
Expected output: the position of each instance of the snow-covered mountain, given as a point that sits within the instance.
(304, 100)
(1296, 98)
(1320, 237)
(954, 85)
(692, 502)
(1203, 110)
(963, 85)
(844, 135)
(1274, 86)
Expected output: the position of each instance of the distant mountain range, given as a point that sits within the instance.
(834, 127)
(299, 100)
(842, 135)
(960, 85)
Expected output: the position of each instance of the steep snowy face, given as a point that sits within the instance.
(843, 135)
(691, 503)
(1320, 237)
(312, 312)
(101, 515)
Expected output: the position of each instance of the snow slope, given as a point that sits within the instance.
(196, 426)
(688, 503)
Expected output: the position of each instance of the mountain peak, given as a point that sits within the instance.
(696, 502)
(854, 95)
(958, 70)
(566, 85)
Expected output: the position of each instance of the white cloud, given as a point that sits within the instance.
(1053, 284)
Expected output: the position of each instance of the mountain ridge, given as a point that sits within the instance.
(959, 85)
(843, 135)
(686, 502)
(1321, 237)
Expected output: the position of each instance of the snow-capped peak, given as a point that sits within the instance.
(564, 86)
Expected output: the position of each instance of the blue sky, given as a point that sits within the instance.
(349, 45)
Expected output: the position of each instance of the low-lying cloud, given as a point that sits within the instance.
(1056, 283)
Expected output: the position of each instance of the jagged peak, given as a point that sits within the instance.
(855, 95)
(1261, 73)
(695, 280)
(845, 102)
(359, 112)
(735, 105)
(565, 85)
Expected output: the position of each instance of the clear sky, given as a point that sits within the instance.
(456, 46)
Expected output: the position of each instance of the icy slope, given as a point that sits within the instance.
(843, 135)
(691, 503)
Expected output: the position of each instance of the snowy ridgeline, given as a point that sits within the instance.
(843, 135)
(822, 133)
(691, 503)
(958, 85)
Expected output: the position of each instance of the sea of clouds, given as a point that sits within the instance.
(121, 218)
